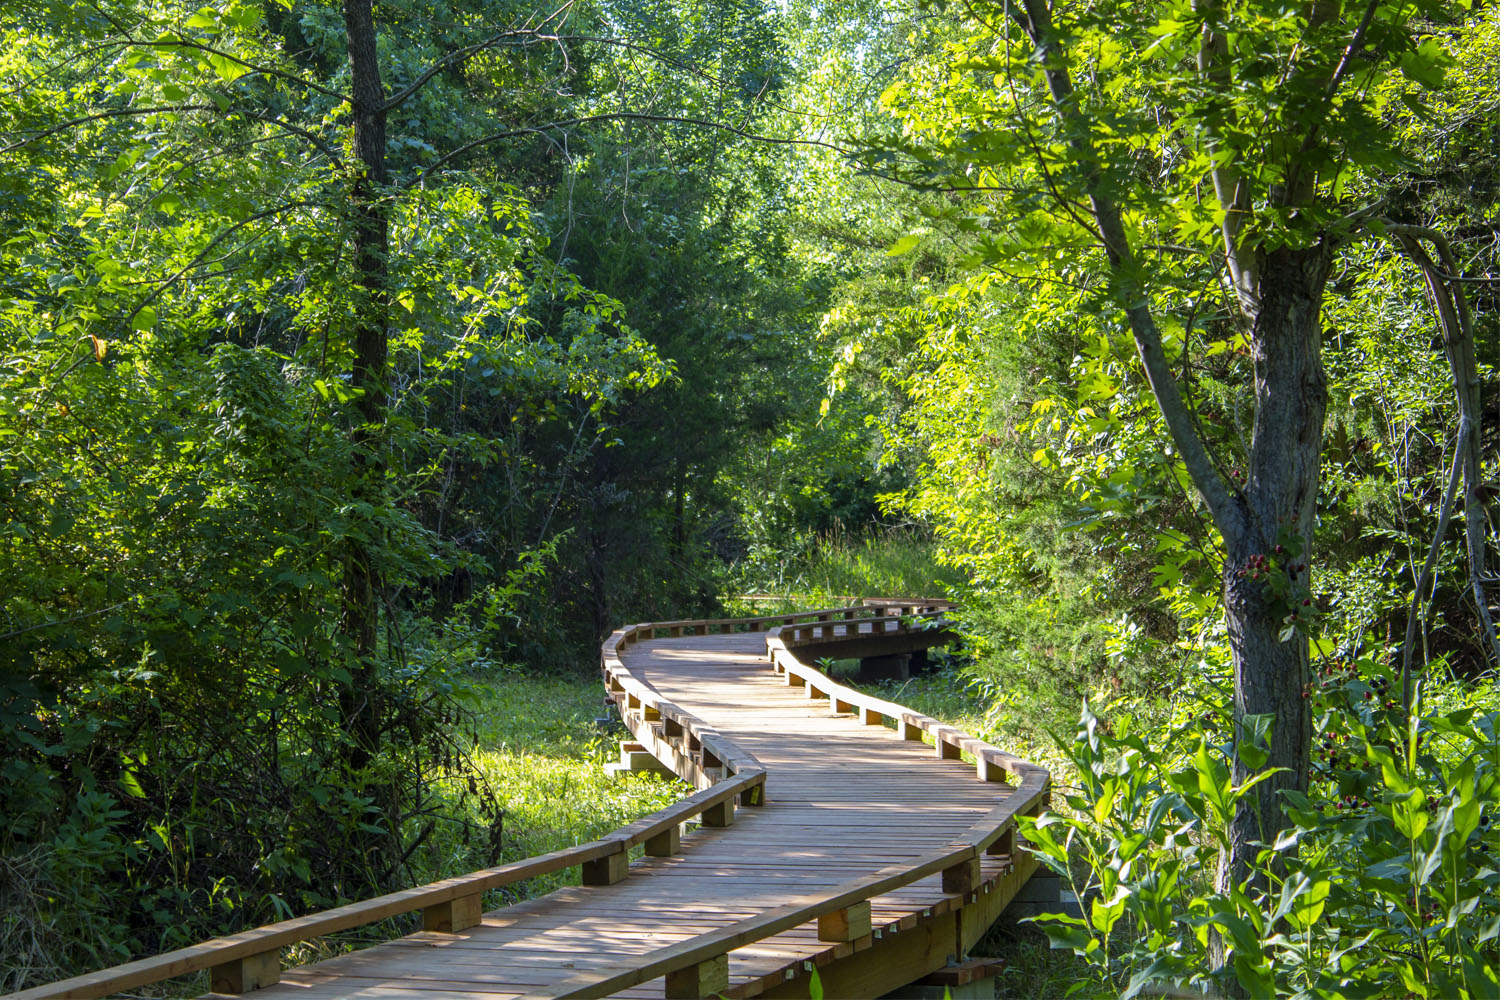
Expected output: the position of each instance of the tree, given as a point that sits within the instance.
(1198, 167)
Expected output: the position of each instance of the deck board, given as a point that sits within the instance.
(843, 800)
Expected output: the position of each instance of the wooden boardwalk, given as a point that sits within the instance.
(833, 804)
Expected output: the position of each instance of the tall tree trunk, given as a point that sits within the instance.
(1269, 537)
(369, 216)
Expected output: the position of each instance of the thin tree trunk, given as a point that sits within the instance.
(1457, 326)
(1278, 501)
(360, 620)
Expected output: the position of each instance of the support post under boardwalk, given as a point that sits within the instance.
(701, 980)
(246, 974)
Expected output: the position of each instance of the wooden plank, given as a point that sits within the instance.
(221, 951)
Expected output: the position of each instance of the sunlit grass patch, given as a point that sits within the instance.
(543, 755)
(891, 564)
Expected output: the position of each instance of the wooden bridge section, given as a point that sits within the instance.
(836, 832)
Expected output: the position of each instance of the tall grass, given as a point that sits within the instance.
(541, 753)
(890, 564)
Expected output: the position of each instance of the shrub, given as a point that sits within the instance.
(1382, 883)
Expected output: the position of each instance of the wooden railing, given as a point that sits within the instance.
(699, 967)
(723, 774)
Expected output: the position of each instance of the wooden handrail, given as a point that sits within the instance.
(800, 910)
(949, 741)
(1029, 795)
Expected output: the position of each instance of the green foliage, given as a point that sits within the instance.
(1382, 885)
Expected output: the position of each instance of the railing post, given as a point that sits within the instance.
(991, 770)
(963, 878)
(701, 980)
(455, 915)
(848, 924)
(607, 870)
(246, 974)
(721, 814)
(666, 843)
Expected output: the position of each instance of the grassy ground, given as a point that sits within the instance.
(543, 755)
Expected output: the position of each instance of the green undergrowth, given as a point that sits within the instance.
(541, 752)
(949, 695)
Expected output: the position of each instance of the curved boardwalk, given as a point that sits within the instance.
(845, 798)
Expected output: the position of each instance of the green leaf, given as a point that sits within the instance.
(904, 245)
(144, 319)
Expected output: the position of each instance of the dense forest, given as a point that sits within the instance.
(358, 362)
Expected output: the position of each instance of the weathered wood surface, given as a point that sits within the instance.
(844, 800)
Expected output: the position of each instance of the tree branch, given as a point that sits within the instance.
(463, 55)
(281, 123)
(1457, 325)
(453, 59)
(181, 41)
(495, 137)
(159, 109)
(1230, 187)
(1194, 453)
(221, 237)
